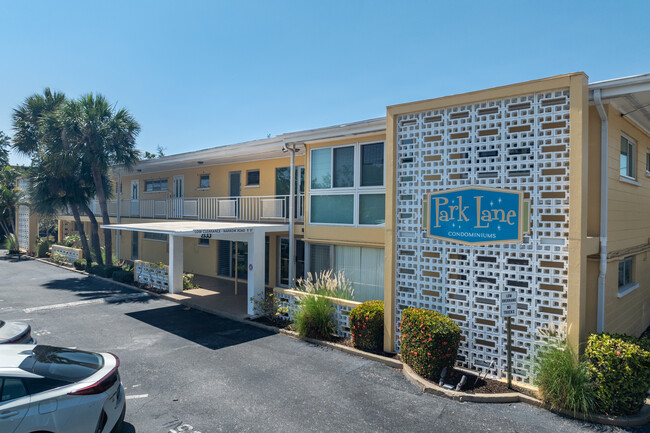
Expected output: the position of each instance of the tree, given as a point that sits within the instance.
(4, 149)
(102, 137)
(43, 141)
(10, 198)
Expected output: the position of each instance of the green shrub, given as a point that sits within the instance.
(79, 265)
(313, 318)
(367, 326)
(71, 240)
(123, 276)
(109, 270)
(620, 370)
(563, 379)
(188, 282)
(42, 248)
(429, 341)
(96, 269)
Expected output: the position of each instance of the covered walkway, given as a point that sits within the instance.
(216, 294)
(251, 233)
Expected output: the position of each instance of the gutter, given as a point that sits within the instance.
(604, 132)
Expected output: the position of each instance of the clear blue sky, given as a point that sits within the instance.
(199, 74)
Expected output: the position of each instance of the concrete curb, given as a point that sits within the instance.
(639, 419)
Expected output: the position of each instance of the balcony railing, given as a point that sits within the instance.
(273, 208)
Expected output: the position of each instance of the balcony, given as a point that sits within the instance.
(274, 208)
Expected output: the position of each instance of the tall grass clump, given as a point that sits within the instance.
(562, 377)
(313, 318)
(327, 283)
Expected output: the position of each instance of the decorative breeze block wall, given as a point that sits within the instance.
(68, 254)
(517, 143)
(152, 274)
(23, 228)
(288, 301)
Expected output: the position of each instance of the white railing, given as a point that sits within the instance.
(270, 208)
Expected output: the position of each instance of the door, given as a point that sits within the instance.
(135, 198)
(283, 262)
(134, 245)
(234, 190)
(179, 193)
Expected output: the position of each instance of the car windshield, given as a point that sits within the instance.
(69, 365)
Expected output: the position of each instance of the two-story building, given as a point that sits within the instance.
(577, 154)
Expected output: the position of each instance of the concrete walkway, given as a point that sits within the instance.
(216, 294)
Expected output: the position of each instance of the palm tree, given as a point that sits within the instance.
(102, 137)
(38, 135)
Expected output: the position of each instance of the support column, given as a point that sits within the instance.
(175, 264)
(255, 269)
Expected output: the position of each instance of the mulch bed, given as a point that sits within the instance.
(268, 321)
(476, 385)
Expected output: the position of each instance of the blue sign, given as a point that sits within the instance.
(477, 215)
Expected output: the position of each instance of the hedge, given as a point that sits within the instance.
(123, 276)
(42, 248)
(104, 271)
(620, 370)
(80, 264)
(429, 341)
(367, 326)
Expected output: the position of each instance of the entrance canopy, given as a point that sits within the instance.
(252, 233)
(198, 229)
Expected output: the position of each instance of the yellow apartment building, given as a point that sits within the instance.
(538, 189)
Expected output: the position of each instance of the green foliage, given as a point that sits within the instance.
(72, 241)
(313, 318)
(429, 341)
(367, 326)
(42, 248)
(10, 244)
(122, 276)
(268, 306)
(327, 283)
(58, 258)
(79, 265)
(620, 371)
(104, 271)
(188, 282)
(563, 379)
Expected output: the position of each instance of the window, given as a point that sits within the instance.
(628, 158)
(204, 181)
(155, 185)
(204, 242)
(155, 236)
(647, 163)
(364, 267)
(626, 282)
(347, 185)
(253, 178)
(12, 388)
(231, 256)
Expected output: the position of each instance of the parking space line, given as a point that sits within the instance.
(88, 302)
(132, 397)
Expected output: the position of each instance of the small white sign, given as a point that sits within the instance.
(508, 304)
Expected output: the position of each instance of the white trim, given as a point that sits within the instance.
(203, 189)
(631, 181)
(628, 288)
(251, 186)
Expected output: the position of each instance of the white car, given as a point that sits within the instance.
(48, 389)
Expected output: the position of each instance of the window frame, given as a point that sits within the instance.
(631, 161)
(253, 185)
(148, 181)
(203, 242)
(146, 238)
(647, 163)
(356, 190)
(201, 177)
(628, 286)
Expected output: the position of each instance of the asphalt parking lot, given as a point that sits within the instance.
(185, 370)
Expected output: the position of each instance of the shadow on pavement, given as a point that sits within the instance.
(210, 331)
(127, 428)
(88, 287)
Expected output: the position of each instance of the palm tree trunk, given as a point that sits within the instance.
(82, 234)
(94, 233)
(101, 197)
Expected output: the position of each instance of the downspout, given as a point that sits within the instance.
(119, 212)
(292, 186)
(604, 132)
